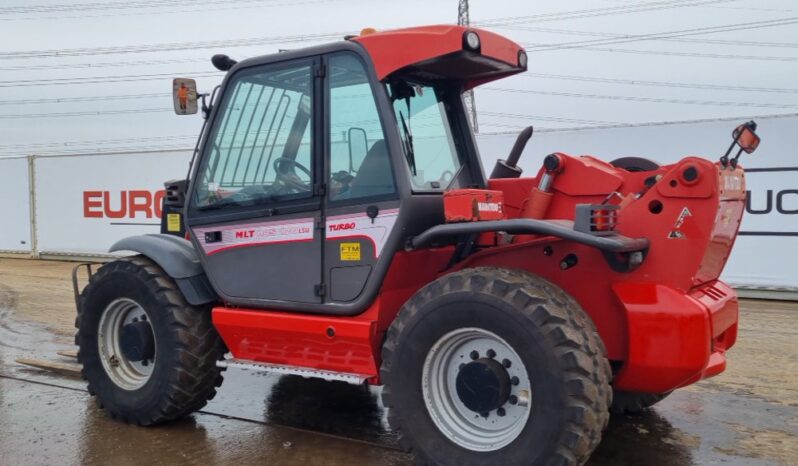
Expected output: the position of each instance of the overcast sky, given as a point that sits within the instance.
(84, 53)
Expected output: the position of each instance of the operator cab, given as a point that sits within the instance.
(317, 164)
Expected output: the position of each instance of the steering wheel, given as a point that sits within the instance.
(287, 178)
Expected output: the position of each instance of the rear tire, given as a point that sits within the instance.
(624, 403)
(178, 374)
(517, 315)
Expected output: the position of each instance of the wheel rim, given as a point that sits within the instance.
(125, 373)
(446, 360)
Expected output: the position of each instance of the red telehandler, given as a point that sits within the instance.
(337, 223)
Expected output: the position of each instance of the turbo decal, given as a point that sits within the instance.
(360, 225)
(254, 234)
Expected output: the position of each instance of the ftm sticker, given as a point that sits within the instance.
(350, 251)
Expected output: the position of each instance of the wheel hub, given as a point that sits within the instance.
(137, 341)
(483, 385)
(476, 389)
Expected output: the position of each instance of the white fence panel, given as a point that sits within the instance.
(15, 205)
(766, 253)
(85, 203)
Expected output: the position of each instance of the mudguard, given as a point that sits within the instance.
(177, 257)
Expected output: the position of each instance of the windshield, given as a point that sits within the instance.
(429, 147)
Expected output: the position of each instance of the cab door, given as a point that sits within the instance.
(361, 203)
(255, 203)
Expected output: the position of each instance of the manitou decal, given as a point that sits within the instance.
(122, 204)
(489, 207)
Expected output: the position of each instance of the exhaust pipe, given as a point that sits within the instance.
(509, 168)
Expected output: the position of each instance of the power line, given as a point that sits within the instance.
(85, 113)
(310, 37)
(639, 82)
(148, 10)
(658, 123)
(104, 79)
(685, 54)
(66, 66)
(99, 98)
(168, 46)
(94, 141)
(92, 6)
(668, 34)
(594, 12)
(693, 40)
(642, 99)
(107, 150)
(546, 118)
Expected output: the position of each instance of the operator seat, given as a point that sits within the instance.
(374, 177)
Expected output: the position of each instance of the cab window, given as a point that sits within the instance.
(360, 165)
(429, 146)
(260, 148)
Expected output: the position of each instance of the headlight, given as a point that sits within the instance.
(522, 59)
(471, 40)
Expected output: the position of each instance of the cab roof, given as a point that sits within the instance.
(440, 52)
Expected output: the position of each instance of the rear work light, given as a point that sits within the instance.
(596, 219)
(471, 40)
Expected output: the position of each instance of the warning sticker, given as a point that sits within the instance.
(173, 222)
(350, 251)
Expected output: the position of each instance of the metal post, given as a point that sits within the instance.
(463, 19)
(34, 246)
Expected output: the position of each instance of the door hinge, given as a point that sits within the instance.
(320, 71)
(320, 223)
(320, 289)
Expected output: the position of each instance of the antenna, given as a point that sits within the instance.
(463, 19)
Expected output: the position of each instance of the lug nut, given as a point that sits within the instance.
(500, 412)
(485, 414)
(491, 354)
(474, 355)
(514, 380)
(506, 363)
(513, 400)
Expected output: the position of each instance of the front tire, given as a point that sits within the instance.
(485, 327)
(148, 356)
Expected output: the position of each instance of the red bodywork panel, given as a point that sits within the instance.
(400, 48)
(668, 323)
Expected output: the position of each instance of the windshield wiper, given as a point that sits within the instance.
(407, 142)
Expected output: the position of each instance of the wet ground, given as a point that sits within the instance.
(746, 416)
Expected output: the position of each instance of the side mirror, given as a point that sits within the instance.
(746, 137)
(358, 147)
(184, 96)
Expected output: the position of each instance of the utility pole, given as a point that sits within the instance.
(463, 19)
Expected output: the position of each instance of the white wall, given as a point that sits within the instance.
(15, 205)
(767, 260)
(79, 199)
